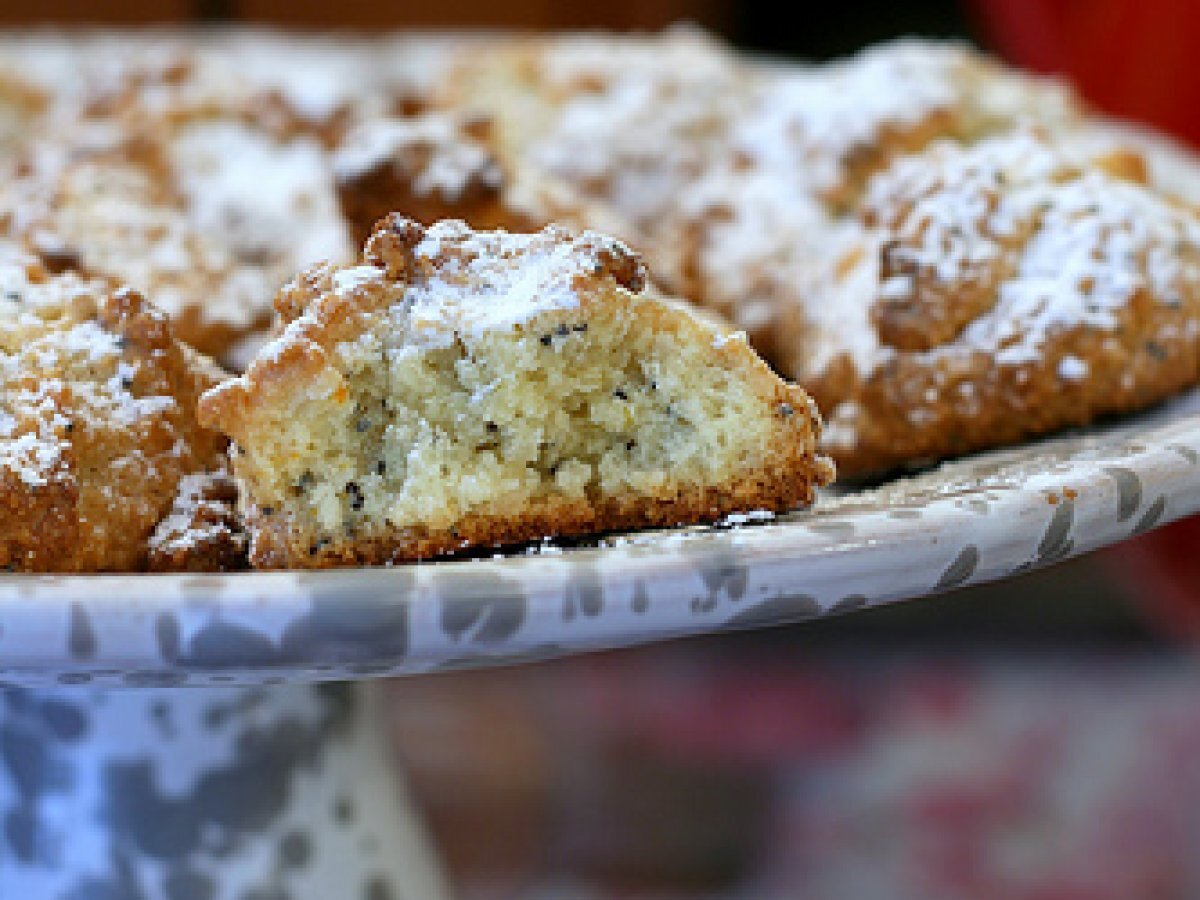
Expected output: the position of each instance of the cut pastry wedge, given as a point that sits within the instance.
(463, 389)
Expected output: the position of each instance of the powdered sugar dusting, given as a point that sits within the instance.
(272, 199)
(1072, 368)
(757, 227)
(816, 117)
(347, 281)
(61, 372)
(466, 283)
(434, 150)
(33, 457)
(838, 306)
(1082, 245)
(202, 514)
(631, 123)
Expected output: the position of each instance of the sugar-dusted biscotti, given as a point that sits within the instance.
(461, 389)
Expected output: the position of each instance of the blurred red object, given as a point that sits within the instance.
(1133, 58)
(1139, 59)
(1162, 569)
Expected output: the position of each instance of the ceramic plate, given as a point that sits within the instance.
(974, 520)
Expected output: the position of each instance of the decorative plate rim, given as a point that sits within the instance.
(969, 521)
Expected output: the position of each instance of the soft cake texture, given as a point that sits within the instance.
(462, 389)
(97, 421)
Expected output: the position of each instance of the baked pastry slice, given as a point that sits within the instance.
(461, 389)
(991, 294)
(97, 421)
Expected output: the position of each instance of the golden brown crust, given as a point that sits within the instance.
(892, 140)
(100, 429)
(370, 196)
(931, 310)
(977, 405)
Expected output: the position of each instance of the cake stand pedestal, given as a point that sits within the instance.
(276, 792)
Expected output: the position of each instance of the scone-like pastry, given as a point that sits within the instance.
(599, 132)
(461, 389)
(608, 132)
(109, 209)
(991, 294)
(97, 421)
(208, 222)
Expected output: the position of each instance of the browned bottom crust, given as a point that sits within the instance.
(277, 544)
(224, 552)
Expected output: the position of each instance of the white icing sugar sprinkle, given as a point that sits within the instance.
(1096, 242)
(467, 283)
(1072, 368)
(721, 338)
(819, 115)
(32, 457)
(445, 157)
(185, 526)
(347, 281)
(1091, 255)
(745, 518)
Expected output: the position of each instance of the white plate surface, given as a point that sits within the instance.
(975, 520)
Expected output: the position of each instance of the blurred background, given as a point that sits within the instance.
(1034, 739)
